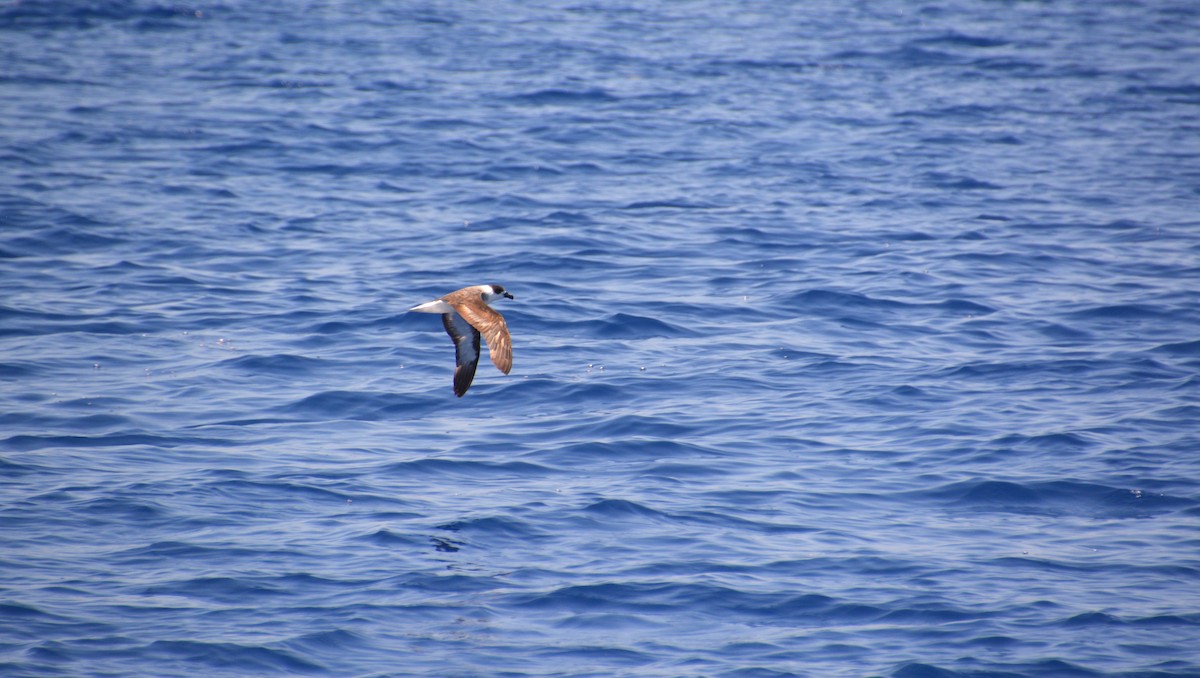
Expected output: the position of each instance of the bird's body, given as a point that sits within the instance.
(466, 315)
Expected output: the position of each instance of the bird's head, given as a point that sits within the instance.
(492, 292)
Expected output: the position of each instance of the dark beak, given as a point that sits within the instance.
(506, 294)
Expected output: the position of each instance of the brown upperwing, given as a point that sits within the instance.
(493, 328)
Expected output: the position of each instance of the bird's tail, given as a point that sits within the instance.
(435, 306)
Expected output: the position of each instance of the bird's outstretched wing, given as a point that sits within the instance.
(491, 325)
(466, 350)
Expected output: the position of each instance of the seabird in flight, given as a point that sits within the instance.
(466, 315)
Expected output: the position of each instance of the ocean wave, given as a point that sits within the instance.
(848, 340)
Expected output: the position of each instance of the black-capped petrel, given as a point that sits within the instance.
(466, 315)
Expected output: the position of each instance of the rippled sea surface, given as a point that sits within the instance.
(850, 339)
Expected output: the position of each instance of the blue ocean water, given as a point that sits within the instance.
(850, 339)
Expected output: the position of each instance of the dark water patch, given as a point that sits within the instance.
(928, 616)
(139, 510)
(389, 538)
(812, 609)
(279, 364)
(494, 526)
(1167, 620)
(185, 551)
(1050, 669)
(707, 317)
(1093, 619)
(625, 326)
(86, 423)
(1047, 442)
(18, 370)
(958, 183)
(259, 421)
(458, 468)
(12, 469)
(307, 581)
(358, 405)
(843, 304)
(955, 39)
(1120, 312)
(27, 613)
(908, 56)
(14, 315)
(446, 545)
(279, 491)
(1065, 333)
(1009, 65)
(509, 172)
(995, 643)
(1188, 93)
(111, 327)
(726, 520)
(507, 203)
(336, 640)
(232, 656)
(627, 450)
(901, 397)
(1183, 349)
(95, 13)
(623, 509)
(574, 240)
(677, 470)
(634, 425)
(762, 672)
(614, 598)
(602, 622)
(1181, 413)
(28, 323)
(609, 656)
(225, 590)
(669, 205)
(826, 301)
(547, 390)
(438, 582)
(1057, 498)
(564, 97)
(499, 224)
(80, 234)
(906, 393)
(1187, 385)
(724, 66)
(27, 443)
(1005, 372)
